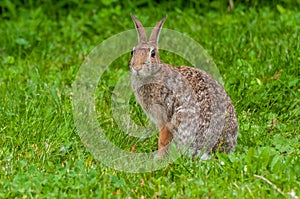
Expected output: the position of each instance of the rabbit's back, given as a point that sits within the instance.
(211, 96)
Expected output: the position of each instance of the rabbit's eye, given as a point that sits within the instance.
(152, 53)
(133, 49)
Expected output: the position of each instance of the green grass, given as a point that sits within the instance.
(255, 46)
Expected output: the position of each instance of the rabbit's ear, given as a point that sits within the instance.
(140, 29)
(156, 30)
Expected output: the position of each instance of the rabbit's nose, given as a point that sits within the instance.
(137, 68)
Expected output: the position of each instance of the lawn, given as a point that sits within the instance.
(255, 45)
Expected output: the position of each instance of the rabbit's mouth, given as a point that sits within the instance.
(146, 70)
(137, 71)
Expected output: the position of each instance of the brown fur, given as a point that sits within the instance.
(187, 104)
(165, 137)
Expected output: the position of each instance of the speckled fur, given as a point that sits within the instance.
(187, 101)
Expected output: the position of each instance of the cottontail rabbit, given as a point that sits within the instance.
(187, 105)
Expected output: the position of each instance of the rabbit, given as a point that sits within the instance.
(188, 106)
